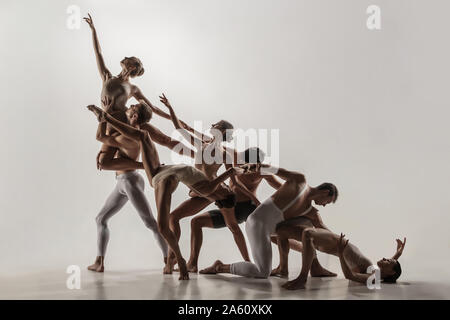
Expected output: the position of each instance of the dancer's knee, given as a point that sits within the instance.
(308, 234)
(101, 221)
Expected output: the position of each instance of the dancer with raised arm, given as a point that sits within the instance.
(116, 90)
(129, 186)
(165, 179)
(261, 224)
(210, 156)
(354, 264)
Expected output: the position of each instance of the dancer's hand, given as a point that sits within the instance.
(400, 246)
(238, 171)
(107, 103)
(341, 244)
(165, 101)
(250, 167)
(89, 21)
(99, 113)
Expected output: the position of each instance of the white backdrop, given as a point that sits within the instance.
(367, 110)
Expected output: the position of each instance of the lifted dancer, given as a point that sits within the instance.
(165, 179)
(130, 186)
(116, 90)
(261, 224)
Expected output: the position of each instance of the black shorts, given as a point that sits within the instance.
(241, 211)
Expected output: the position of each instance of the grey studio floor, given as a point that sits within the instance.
(151, 284)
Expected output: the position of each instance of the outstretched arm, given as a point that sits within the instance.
(125, 129)
(193, 140)
(230, 220)
(104, 72)
(139, 96)
(283, 173)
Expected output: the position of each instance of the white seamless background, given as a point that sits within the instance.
(366, 110)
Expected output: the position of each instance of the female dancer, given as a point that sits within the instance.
(116, 90)
(165, 179)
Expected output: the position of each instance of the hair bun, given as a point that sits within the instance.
(141, 72)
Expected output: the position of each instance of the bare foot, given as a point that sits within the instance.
(278, 272)
(318, 271)
(322, 272)
(214, 269)
(192, 267)
(99, 113)
(295, 284)
(184, 274)
(98, 265)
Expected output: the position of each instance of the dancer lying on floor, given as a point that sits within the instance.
(291, 200)
(210, 156)
(165, 179)
(354, 264)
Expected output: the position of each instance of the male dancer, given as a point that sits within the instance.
(165, 179)
(211, 155)
(130, 186)
(245, 204)
(261, 224)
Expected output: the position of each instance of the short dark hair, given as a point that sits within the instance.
(225, 125)
(144, 113)
(254, 154)
(332, 190)
(397, 272)
(139, 71)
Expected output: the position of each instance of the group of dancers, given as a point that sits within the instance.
(289, 218)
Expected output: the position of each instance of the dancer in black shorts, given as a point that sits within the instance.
(245, 205)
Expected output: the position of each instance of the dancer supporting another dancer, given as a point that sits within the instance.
(261, 224)
(210, 156)
(165, 179)
(129, 186)
(116, 90)
(354, 264)
(284, 233)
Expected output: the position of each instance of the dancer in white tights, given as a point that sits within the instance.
(291, 200)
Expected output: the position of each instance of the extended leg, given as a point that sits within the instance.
(113, 204)
(135, 192)
(197, 223)
(163, 195)
(310, 238)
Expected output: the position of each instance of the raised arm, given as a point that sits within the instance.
(139, 96)
(104, 72)
(193, 140)
(400, 247)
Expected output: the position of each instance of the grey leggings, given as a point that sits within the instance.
(259, 226)
(130, 186)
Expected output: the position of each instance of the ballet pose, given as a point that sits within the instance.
(210, 156)
(129, 186)
(116, 90)
(261, 224)
(165, 179)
